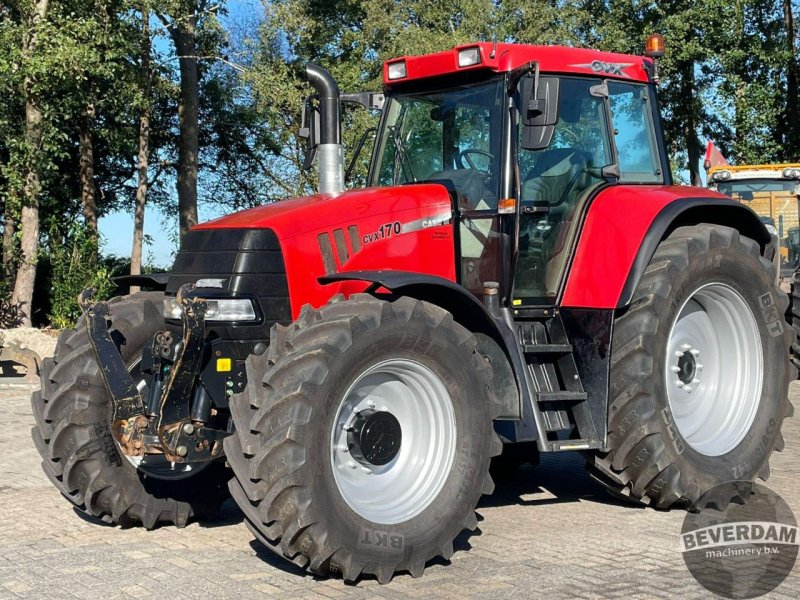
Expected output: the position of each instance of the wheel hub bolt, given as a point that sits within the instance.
(181, 451)
(188, 429)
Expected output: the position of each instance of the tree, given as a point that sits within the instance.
(34, 16)
(184, 20)
(142, 172)
(792, 113)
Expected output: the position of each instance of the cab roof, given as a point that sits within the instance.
(503, 57)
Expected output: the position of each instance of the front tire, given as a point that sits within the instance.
(73, 435)
(699, 371)
(363, 443)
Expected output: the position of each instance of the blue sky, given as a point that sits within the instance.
(117, 228)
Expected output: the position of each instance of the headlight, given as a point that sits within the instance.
(791, 173)
(221, 309)
(397, 70)
(721, 176)
(469, 57)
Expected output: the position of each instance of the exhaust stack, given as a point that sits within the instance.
(330, 152)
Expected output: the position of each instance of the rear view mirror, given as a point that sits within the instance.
(539, 111)
(310, 124)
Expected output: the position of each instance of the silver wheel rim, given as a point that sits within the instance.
(401, 489)
(155, 465)
(714, 369)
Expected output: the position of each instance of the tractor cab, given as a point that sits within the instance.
(522, 138)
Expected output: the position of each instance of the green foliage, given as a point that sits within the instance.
(72, 257)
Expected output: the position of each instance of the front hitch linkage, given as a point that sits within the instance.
(128, 420)
(181, 440)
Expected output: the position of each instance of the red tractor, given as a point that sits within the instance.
(520, 273)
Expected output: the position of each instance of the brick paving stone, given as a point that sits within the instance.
(550, 532)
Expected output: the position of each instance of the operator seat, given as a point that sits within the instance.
(555, 173)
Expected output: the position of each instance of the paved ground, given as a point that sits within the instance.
(549, 533)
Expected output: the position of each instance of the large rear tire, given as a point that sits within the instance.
(793, 317)
(363, 441)
(700, 371)
(73, 413)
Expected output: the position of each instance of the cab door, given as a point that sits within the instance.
(556, 177)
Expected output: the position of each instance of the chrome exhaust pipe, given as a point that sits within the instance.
(330, 151)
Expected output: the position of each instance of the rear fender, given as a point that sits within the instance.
(624, 226)
(692, 211)
(492, 334)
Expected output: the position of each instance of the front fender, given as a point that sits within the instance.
(625, 225)
(495, 339)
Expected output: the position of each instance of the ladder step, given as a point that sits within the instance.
(561, 396)
(556, 420)
(547, 348)
(566, 445)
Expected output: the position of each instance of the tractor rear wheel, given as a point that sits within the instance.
(793, 317)
(700, 371)
(80, 456)
(363, 441)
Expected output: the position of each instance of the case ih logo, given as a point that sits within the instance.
(605, 68)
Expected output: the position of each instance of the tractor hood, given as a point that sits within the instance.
(404, 228)
(298, 216)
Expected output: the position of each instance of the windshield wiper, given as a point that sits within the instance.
(400, 151)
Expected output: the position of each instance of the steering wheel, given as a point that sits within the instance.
(464, 157)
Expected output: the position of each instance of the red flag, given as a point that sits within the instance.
(714, 157)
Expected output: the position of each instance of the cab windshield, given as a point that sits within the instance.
(452, 137)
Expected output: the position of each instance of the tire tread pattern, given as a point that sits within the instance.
(78, 453)
(636, 467)
(268, 463)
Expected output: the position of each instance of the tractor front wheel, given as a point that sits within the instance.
(80, 455)
(363, 441)
(699, 371)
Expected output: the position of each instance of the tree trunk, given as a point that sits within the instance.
(88, 188)
(184, 36)
(8, 246)
(791, 148)
(144, 151)
(693, 147)
(29, 219)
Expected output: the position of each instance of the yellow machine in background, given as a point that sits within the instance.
(773, 192)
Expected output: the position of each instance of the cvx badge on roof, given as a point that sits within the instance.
(606, 68)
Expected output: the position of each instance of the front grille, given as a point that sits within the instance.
(250, 263)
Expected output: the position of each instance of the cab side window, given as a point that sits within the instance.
(633, 133)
